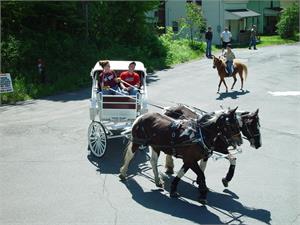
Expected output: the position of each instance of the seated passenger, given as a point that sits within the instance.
(130, 81)
(107, 80)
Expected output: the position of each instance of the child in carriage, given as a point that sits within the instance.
(130, 81)
(107, 80)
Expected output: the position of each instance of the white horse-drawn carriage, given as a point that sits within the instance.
(112, 115)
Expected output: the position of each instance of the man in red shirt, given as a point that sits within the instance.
(132, 78)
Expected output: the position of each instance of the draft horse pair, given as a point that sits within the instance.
(249, 126)
(239, 68)
(191, 140)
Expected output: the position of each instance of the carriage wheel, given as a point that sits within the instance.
(97, 138)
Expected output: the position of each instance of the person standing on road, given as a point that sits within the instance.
(226, 38)
(253, 38)
(208, 38)
(107, 80)
(132, 80)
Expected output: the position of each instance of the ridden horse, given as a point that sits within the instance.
(191, 140)
(239, 68)
(249, 126)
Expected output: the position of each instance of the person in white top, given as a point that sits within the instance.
(226, 38)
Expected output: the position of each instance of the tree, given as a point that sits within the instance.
(194, 20)
(288, 25)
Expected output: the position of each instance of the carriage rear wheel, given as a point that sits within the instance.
(97, 138)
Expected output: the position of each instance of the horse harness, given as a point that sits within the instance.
(192, 132)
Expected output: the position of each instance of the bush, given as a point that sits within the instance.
(288, 25)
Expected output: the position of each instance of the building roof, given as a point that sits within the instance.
(236, 14)
(272, 12)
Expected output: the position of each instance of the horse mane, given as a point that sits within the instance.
(210, 118)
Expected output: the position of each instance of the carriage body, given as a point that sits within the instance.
(112, 115)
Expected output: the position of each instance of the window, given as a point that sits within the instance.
(199, 2)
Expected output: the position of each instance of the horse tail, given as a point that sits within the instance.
(245, 70)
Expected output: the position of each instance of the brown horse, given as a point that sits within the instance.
(249, 126)
(239, 68)
(191, 140)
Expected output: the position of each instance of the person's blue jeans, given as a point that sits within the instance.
(252, 42)
(208, 48)
(111, 92)
(132, 91)
(229, 66)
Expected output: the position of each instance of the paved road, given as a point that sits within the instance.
(48, 177)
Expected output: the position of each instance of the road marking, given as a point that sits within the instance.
(284, 93)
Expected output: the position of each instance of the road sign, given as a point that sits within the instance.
(5, 83)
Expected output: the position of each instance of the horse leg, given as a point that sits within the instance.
(242, 79)
(153, 161)
(203, 164)
(130, 151)
(180, 174)
(230, 172)
(169, 165)
(234, 81)
(223, 80)
(203, 190)
(219, 85)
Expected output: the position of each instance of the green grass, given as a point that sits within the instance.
(275, 40)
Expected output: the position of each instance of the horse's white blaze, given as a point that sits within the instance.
(284, 93)
(203, 165)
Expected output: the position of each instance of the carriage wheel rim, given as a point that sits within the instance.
(97, 139)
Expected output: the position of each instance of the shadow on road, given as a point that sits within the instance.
(225, 203)
(71, 96)
(111, 162)
(151, 78)
(233, 94)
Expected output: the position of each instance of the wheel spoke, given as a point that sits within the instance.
(97, 139)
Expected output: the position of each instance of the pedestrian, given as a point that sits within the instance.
(131, 80)
(253, 38)
(208, 38)
(226, 38)
(107, 80)
(229, 56)
(41, 71)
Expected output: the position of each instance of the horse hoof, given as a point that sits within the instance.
(174, 194)
(122, 177)
(169, 171)
(202, 201)
(225, 182)
(159, 184)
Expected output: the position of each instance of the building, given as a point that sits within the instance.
(237, 15)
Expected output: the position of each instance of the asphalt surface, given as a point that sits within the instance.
(49, 177)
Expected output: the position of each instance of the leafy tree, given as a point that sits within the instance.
(288, 24)
(194, 20)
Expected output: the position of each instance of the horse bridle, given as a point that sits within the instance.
(229, 140)
(251, 134)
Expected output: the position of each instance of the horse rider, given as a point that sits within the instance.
(229, 56)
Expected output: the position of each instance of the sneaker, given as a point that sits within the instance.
(255, 49)
(250, 48)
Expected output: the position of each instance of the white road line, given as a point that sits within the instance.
(284, 93)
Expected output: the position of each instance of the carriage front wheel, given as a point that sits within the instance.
(97, 138)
